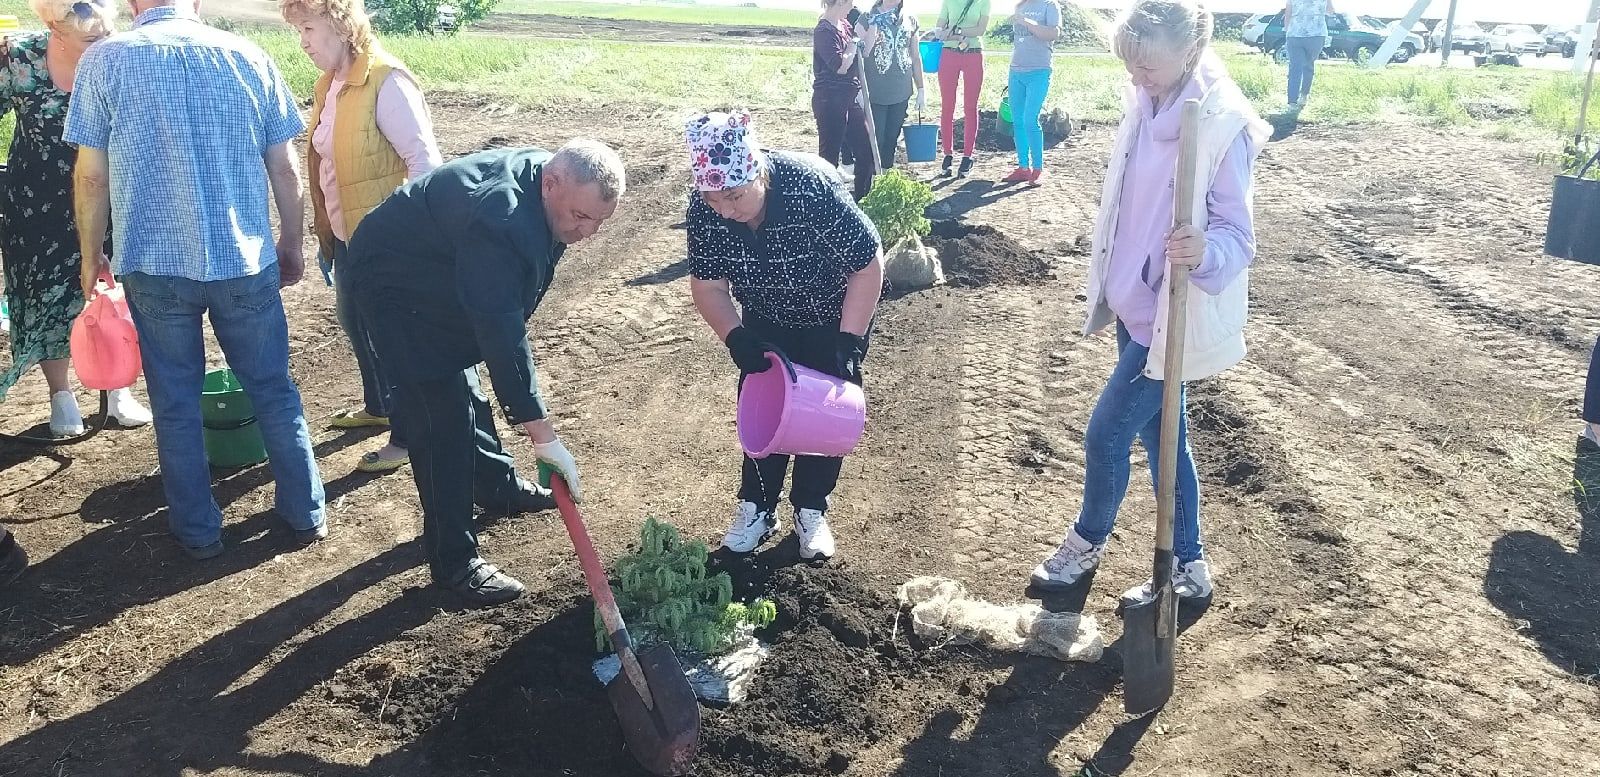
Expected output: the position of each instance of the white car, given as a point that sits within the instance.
(1254, 27)
(1515, 39)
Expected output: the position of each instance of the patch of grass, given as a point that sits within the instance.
(677, 13)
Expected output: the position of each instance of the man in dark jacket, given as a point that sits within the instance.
(446, 272)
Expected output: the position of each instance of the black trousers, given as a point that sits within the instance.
(815, 477)
(840, 117)
(455, 456)
(888, 120)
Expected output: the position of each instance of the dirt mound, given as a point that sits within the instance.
(992, 136)
(980, 255)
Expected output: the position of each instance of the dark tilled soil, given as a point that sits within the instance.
(981, 255)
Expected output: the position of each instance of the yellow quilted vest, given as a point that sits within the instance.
(365, 164)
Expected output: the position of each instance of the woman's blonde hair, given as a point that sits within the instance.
(102, 18)
(1162, 30)
(349, 17)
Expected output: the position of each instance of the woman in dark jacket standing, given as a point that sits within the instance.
(836, 93)
(777, 232)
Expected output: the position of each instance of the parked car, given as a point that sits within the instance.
(1559, 39)
(1420, 30)
(1253, 29)
(1515, 39)
(448, 18)
(1348, 36)
(1468, 37)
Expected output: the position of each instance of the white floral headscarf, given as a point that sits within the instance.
(723, 153)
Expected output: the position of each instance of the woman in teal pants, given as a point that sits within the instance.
(1035, 26)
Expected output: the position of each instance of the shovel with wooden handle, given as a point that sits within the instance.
(1150, 628)
(654, 702)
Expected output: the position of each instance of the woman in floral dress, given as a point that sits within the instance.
(37, 231)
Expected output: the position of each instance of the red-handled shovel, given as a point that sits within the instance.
(653, 700)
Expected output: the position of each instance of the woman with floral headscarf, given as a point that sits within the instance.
(42, 262)
(780, 257)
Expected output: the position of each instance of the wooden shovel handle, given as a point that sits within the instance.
(1172, 375)
(600, 587)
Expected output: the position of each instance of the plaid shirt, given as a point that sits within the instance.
(185, 113)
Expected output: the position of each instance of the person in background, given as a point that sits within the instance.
(1591, 398)
(13, 559)
(836, 93)
(194, 238)
(962, 25)
(446, 273)
(370, 132)
(778, 233)
(894, 71)
(1305, 30)
(42, 260)
(1165, 45)
(1035, 27)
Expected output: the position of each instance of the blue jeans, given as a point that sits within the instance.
(377, 393)
(1303, 55)
(1027, 90)
(247, 317)
(1130, 406)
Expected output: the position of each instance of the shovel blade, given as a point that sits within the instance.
(1149, 637)
(663, 740)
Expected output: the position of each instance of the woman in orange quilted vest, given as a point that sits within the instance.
(370, 132)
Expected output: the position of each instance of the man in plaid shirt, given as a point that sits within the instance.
(180, 128)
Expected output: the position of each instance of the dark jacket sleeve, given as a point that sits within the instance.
(827, 48)
(490, 277)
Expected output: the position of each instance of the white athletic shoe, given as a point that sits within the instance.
(811, 529)
(65, 418)
(750, 529)
(1075, 558)
(126, 410)
(1189, 581)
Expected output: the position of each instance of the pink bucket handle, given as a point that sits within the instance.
(778, 358)
(110, 282)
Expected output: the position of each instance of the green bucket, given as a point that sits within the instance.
(228, 422)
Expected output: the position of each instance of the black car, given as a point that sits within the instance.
(1561, 40)
(1346, 38)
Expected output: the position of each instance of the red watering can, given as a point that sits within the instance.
(105, 347)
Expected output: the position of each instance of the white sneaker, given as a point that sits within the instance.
(811, 529)
(1075, 558)
(750, 529)
(1189, 581)
(65, 418)
(126, 410)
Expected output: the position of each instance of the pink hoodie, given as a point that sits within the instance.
(1138, 250)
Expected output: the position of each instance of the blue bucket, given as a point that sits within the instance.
(922, 142)
(931, 49)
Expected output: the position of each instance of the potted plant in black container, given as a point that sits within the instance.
(1573, 231)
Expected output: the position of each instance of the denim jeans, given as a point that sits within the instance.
(1130, 407)
(247, 317)
(1303, 55)
(1027, 90)
(377, 393)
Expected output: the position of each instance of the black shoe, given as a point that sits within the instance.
(484, 585)
(966, 166)
(944, 169)
(13, 562)
(529, 498)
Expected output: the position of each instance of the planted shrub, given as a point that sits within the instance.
(666, 596)
(896, 206)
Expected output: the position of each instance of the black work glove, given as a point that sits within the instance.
(748, 350)
(851, 352)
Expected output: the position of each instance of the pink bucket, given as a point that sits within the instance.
(104, 345)
(799, 411)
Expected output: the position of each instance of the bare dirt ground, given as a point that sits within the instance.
(1406, 558)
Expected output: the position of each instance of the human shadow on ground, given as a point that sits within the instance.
(132, 560)
(196, 713)
(1534, 579)
(969, 196)
(1283, 124)
(666, 274)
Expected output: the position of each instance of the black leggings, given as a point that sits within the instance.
(814, 476)
(840, 117)
(888, 120)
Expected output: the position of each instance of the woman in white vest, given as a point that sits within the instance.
(1165, 47)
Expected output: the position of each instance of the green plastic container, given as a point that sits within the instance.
(228, 421)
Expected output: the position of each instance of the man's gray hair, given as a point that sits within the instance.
(584, 161)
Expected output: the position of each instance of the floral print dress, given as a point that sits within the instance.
(38, 235)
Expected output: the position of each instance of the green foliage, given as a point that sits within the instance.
(666, 597)
(896, 205)
(414, 16)
(1572, 158)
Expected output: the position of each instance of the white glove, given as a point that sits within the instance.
(922, 100)
(556, 455)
